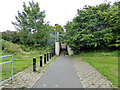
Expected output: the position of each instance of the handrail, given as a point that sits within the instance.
(11, 67)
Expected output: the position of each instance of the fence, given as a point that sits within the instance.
(5, 71)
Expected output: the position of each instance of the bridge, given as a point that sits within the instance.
(60, 47)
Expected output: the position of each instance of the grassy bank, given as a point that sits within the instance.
(105, 62)
(21, 59)
(20, 62)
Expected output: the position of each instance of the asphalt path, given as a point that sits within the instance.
(61, 74)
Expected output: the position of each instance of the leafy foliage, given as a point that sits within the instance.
(32, 27)
(94, 27)
(12, 37)
(11, 48)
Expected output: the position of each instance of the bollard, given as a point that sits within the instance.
(64, 52)
(50, 55)
(53, 54)
(45, 58)
(40, 61)
(34, 64)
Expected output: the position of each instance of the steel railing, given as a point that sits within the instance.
(6, 71)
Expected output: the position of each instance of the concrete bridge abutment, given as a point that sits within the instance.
(59, 47)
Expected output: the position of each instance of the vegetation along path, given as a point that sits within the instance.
(61, 74)
(89, 76)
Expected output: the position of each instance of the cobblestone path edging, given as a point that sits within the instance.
(27, 78)
(89, 76)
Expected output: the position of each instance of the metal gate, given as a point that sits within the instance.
(6, 72)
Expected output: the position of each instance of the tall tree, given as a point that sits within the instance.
(30, 23)
(94, 27)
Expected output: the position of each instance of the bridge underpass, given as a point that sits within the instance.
(62, 49)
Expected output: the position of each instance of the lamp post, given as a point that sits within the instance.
(55, 36)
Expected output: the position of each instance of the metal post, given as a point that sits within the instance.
(3, 71)
(40, 61)
(11, 68)
(53, 54)
(55, 40)
(6, 71)
(64, 52)
(34, 64)
(50, 55)
(45, 58)
(57, 36)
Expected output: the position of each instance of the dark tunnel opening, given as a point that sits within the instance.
(63, 49)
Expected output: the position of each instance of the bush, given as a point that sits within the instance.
(11, 48)
(94, 27)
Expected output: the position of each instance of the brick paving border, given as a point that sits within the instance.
(89, 76)
(27, 78)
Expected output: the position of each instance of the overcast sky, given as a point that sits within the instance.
(57, 11)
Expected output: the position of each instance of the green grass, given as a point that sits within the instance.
(20, 62)
(21, 58)
(99, 53)
(106, 65)
(105, 62)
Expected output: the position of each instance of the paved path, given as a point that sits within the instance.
(61, 74)
(89, 76)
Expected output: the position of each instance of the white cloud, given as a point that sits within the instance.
(57, 11)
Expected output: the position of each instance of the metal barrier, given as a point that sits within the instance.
(4, 72)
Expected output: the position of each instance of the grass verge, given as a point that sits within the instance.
(105, 62)
(20, 62)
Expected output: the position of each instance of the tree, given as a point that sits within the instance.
(12, 37)
(93, 27)
(30, 23)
